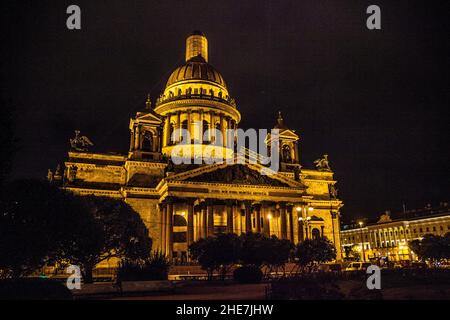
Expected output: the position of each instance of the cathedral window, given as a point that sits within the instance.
(204, 129)
(171, 131)
(287, 153)
(147, 142)
(315, 233)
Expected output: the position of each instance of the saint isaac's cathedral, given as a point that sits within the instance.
(180, 204)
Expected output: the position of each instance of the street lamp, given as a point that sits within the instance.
(306, 219)
(362, 243)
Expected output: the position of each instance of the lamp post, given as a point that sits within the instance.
(269, 218)
(306, 219)
(362, 241)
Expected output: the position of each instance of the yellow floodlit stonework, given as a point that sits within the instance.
(183, 203)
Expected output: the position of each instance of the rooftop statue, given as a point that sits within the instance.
(80, 143)
(333, 191)
(323, 164)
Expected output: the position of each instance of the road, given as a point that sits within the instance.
(211, 292)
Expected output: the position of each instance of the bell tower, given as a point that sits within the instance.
(288, 146)
(145, 134)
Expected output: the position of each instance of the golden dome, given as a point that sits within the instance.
(196, 69)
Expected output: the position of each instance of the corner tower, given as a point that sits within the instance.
(196, 99)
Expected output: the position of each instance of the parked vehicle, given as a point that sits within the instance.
(418, 265)
(444, 265)
(358, 266)
(330, 267)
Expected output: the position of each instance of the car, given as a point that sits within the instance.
(330, 267)
(358, 266)
(444, 265)
(417, 265)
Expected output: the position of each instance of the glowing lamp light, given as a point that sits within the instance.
(183, 213)
(310, 209)
(300, 219)
(360, 223)
(298, 209)
(269, 216)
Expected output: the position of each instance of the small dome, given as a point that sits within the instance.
(196, 69)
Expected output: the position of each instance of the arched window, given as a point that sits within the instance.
(287, 153)
(204, 129)
(171, 131)
(147, 143)
(184, 127)
(315, 233)
(179, 221)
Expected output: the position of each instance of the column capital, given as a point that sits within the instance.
(169, 200)
(230, 202)
(256, 205)
(289, 204)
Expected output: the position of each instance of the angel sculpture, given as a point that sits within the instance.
(323, 163)
(80, 143)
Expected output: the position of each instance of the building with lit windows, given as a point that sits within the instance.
(182, 203)
(388, 236)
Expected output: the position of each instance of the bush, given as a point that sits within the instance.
(217, 253)
(33, 289)
(248, 274)
(156, 267)
(311, 252)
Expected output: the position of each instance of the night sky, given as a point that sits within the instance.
(375, 101)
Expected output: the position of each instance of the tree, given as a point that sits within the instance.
(40, 223)
(253, 249)
(314, 251)
(107, 228)
(351, 252)
(35, 219)
(276, 253)
(431, 247)
(218, 253)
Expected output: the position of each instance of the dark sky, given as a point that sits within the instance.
(375, 101)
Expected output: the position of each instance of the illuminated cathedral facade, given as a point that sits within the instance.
(182, 203)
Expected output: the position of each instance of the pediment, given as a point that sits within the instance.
(288, 134)
(285, 134)
(148, 117)
(236, 174)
